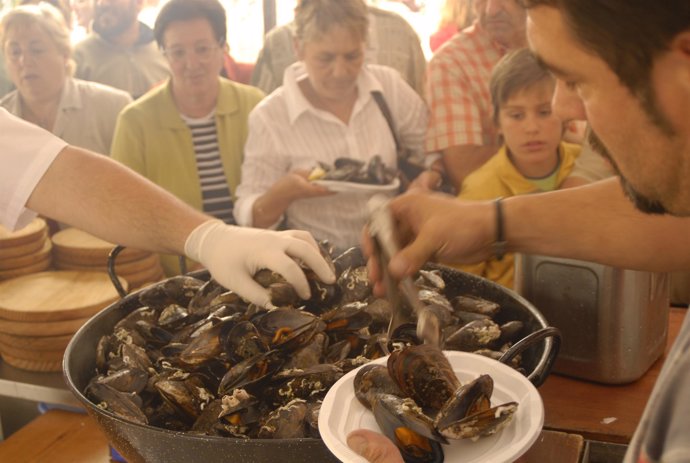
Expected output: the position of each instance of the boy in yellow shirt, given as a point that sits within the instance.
(533, 158)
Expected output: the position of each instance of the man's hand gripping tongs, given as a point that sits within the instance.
(403, 295)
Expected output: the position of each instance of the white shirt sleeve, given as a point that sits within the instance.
(26, 152)
(264, 164)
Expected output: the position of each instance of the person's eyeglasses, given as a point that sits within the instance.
(14, 53)
(202, 52)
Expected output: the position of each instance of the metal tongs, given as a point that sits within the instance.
(403, 295)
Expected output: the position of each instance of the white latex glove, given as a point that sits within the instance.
(234, 254)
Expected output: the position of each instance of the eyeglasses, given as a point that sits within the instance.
(203, 52)
(15, 53)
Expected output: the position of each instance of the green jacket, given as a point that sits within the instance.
(152, 139)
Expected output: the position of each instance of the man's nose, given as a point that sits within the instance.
(492, 7)
(339, 67)
(566, 103)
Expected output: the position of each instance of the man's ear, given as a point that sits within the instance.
(681, 43)
(680, 57)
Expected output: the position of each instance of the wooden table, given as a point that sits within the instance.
(586, 408)
(57, 436)
(574, 411)
(66, 437)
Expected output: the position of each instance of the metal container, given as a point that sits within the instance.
(140, 443)
(613, 321)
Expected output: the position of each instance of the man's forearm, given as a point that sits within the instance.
(597, 223)
(98, 195)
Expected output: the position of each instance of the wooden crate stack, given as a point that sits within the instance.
(24, 251)
(39, 314)
(75, 249)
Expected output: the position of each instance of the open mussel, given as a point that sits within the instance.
(402, 421)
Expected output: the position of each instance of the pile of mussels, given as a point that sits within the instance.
(197, 358)
(374, 172)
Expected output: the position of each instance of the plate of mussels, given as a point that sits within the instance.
(339, 186)
(450, 406)
(348, 175)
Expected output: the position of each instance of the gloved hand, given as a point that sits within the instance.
(234, 254)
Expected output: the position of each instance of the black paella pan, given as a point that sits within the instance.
(143, 443)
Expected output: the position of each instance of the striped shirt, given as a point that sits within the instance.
(216, 197)
(458, 91)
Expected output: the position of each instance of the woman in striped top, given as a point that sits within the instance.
(188, 134)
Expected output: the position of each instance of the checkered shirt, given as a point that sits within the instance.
(457, 91)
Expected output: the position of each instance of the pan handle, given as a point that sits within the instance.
(538, 376)
(112, 255)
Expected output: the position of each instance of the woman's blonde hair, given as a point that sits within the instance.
(314, 18)
(48, 18)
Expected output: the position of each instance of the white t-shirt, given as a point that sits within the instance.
(26, 152)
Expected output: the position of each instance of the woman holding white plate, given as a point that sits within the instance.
(324, 110)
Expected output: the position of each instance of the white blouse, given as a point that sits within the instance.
(286, 133)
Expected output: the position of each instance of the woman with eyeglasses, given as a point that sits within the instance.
(38, 55)
(187, 135)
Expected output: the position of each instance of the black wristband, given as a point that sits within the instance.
(500, 243)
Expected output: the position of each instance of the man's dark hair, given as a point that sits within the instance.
(184, 10)
(628, 35)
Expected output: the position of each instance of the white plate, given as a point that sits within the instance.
(342, 413)
(353, 187)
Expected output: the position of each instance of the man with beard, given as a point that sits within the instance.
(120, 51)
(632, 84)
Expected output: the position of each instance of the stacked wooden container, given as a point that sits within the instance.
(77, 250)
(39, 314)
(24, 251)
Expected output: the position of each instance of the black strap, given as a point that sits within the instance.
(383, 106)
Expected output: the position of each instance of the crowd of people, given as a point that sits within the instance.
(228, 162)
(160, 100)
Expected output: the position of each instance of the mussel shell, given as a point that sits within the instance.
(287, 328)
(424, 373)
(475, 335)
(251, 373)
(176, 290)
(128, 380)
(286, 422)
(469, 399)
(409, 428)
(201, 301)
(475, 304)
(310, 383)
(206, 343)
(348, 317)
(354, 284)
(371, 380)
(481, 424)
(242, 342)
(122, 404)
(350, 258)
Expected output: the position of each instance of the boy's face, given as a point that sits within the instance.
(530, 129)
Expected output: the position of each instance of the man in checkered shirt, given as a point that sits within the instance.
(460, 124)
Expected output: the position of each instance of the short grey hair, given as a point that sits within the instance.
(314, 18)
